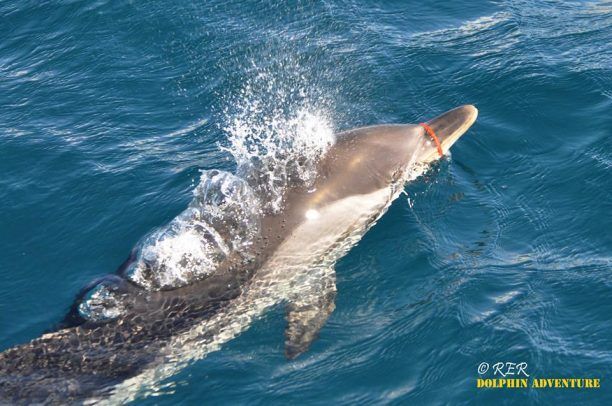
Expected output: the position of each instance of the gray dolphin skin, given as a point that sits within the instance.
(158, 332)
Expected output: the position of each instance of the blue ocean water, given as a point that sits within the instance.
(109, 110)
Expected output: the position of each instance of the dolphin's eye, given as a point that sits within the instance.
(396, 175)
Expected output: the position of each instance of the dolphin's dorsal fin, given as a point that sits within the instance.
(308, 312)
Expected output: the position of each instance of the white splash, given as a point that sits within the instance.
(222, 219)
(276, 136)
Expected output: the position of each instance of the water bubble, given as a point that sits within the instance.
(102, 303)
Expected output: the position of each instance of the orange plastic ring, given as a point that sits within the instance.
(433, 136)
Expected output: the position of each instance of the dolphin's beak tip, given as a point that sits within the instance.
(469, 112)
(472, 111)
(453, 124)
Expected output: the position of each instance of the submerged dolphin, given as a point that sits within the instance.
(159, 331)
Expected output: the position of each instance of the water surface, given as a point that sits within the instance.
(108, 112)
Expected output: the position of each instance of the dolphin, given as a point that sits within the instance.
(159, 331)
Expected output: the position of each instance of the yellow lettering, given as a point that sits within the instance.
(539, 383)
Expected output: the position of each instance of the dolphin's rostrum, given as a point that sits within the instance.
(132, 329)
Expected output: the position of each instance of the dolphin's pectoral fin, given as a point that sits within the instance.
(308, 312)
